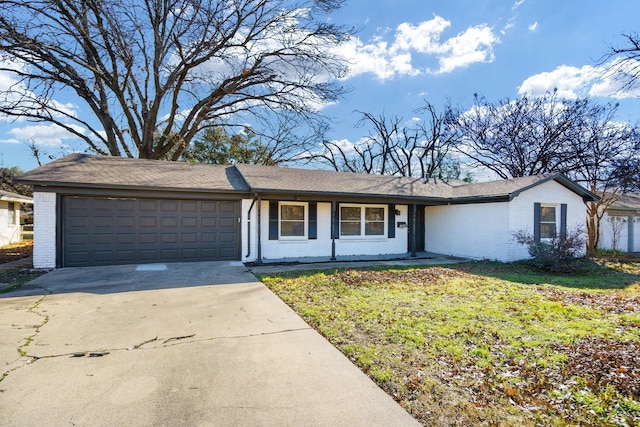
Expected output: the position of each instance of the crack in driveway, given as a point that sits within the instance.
(172, 341)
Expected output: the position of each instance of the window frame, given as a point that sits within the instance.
(305, 220)
(363, 221)
(12, 213)
(555, 221)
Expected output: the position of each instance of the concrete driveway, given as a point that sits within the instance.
(193, 344)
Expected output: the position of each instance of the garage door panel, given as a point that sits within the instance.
(100, 231)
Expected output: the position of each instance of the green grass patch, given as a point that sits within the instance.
(485, 343)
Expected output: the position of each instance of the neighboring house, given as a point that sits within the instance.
(94, 210)
(620, 225)
(10, 229)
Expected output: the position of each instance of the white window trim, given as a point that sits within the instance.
(306, 221)
(362, 235)
(557, 220)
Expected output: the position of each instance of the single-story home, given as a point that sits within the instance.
(10, 229)
(620, 224)
(99, 210)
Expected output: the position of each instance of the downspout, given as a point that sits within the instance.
(414, 243)
(249, 226)
(259, 260)
(333, 231)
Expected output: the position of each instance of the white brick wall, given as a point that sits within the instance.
(521, 212)
(44, 230)
(485, 230)
(472, 231)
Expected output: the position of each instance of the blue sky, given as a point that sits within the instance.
(408, 51)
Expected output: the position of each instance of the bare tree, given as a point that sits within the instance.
(601, 145)
(520, 137)
(394, 147)
(152, 74)
(625, 66)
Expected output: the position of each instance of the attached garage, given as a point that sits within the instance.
(105, 231)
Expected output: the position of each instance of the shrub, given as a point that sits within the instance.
(557, 254)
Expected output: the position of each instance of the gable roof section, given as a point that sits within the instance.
(82, 170)
(8, 196)
(513, 187)
(106, 172)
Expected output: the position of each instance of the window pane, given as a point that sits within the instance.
(374, 214)
(349, 213)
(295, 212)
(292, 228)
(548, 214)
(374, 228)
(547, 230)
(350, 228)
(12, 213)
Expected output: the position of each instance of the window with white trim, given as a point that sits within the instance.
(12, 213)
(548, 222)
(293, 217)
(362, 220)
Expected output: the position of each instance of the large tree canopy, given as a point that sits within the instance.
(154, 73)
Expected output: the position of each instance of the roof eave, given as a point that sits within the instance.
(59, 184)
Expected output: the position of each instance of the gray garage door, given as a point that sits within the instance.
(105, 231)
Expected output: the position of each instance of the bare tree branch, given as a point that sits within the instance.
(154, 73)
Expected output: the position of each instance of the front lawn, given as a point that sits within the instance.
(486, 343)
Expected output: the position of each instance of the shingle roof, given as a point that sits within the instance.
(627, 202)
(106, 171)
(81, 170)
(14, 197)
(307, 181)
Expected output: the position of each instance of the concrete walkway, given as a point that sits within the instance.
(181, 344)
(307, 264)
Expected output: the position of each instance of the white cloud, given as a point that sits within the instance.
(517, 4)
(49, 135)
(414, 43)
(604, 81)
(570, 82)
(474, 45)
(533, 26)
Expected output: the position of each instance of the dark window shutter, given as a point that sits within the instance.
(313, 221)
(536, 222)
(392, 221)
(273, 220)
(563, 220)
(335, 228)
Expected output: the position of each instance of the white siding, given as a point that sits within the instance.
(9, 233)
(320, 247)
(628, 233)
(485, 230)
(44, 230)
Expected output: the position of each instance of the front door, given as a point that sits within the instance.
(416, 227)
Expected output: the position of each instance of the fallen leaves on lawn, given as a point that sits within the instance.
(431, 275)
(606, 362)
(15, 251)
(614, 303)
